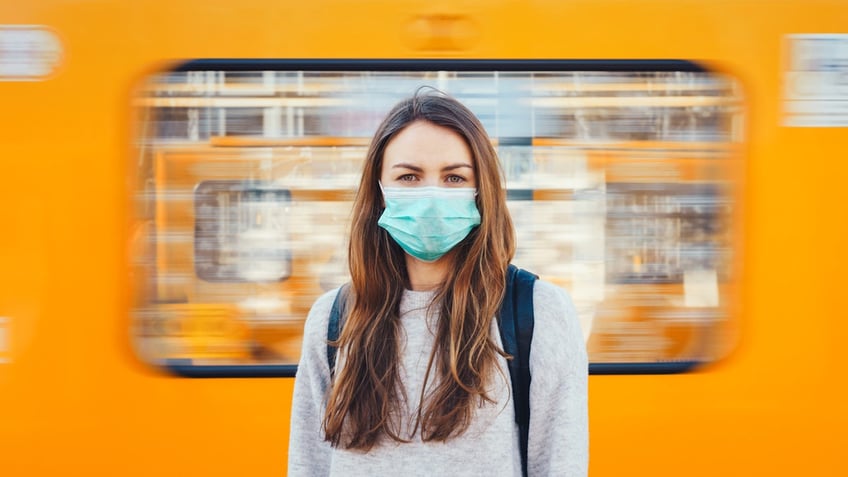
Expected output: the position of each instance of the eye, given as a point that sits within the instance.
(407, 178)
(454, 179)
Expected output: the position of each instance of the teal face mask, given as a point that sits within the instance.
(429, 221)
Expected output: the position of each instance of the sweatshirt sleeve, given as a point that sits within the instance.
(559, 435)
(309, 453)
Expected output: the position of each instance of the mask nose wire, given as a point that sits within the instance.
(383, 190)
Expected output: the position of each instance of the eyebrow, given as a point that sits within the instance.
(415, 168)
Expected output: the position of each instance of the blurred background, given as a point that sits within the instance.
(620, 184)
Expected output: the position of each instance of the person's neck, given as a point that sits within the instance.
(425, 276)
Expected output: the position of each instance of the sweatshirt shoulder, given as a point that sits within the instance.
(551, 302)
(315, 329)
(557, 330)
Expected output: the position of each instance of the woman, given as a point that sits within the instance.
(421, 386)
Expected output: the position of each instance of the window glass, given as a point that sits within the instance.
(620, 182)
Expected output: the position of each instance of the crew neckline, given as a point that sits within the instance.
(416, 299)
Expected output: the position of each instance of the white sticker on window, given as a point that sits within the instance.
(5, 349)
(700, 288)
(28, 52)
(815, 86)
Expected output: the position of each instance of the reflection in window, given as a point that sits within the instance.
(240, 232)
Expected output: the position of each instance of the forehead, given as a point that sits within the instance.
(424, 143)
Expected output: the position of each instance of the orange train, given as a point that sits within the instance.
(178, 179)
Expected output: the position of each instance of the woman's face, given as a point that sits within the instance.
(424, 154)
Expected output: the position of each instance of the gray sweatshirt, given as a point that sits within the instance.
(558, 444)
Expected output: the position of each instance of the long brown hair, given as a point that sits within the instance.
(367, 396)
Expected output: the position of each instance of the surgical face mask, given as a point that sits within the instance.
(429, 221)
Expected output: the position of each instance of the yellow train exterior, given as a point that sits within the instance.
(176, 185)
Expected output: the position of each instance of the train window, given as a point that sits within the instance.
(620, 179)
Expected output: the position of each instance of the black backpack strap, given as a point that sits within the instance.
(516, 327)
(337, 312)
